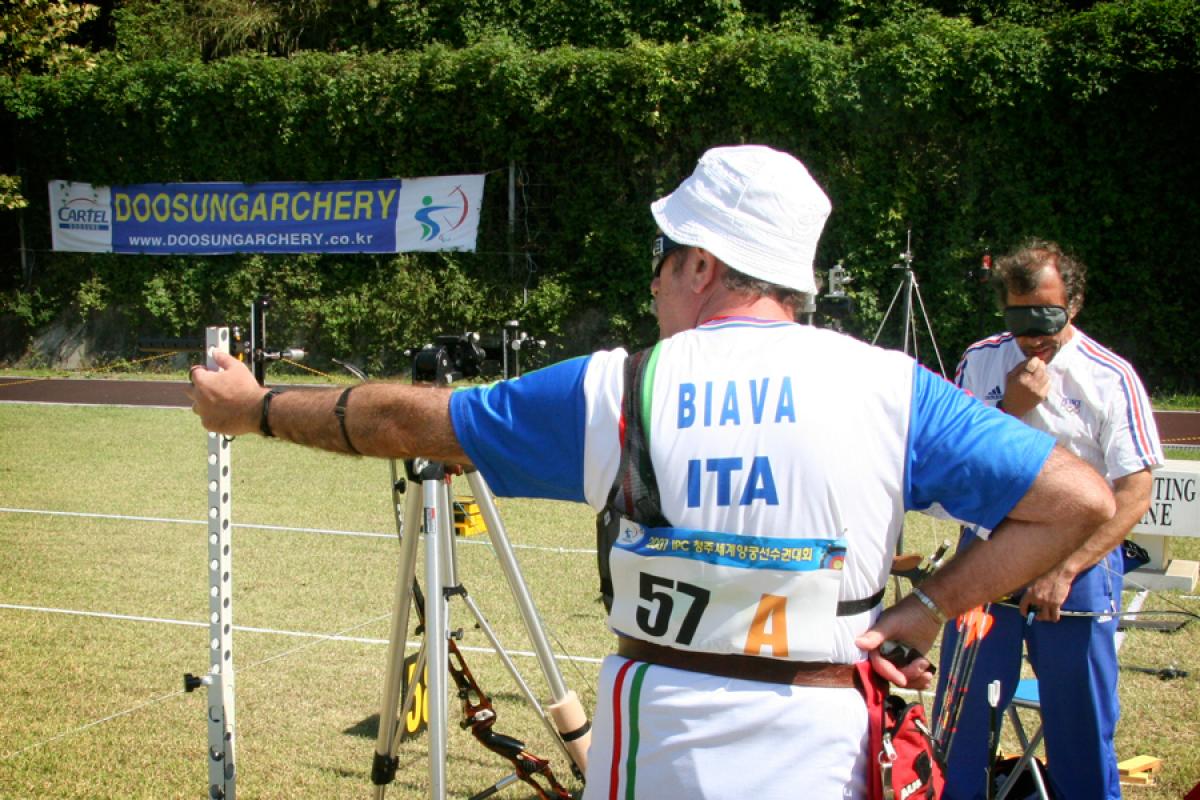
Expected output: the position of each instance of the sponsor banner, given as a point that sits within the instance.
(383, 216)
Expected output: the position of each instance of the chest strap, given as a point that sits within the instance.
(849, 608)
(634, 493)
(732, 665)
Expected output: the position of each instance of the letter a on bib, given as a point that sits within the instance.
(769, 628)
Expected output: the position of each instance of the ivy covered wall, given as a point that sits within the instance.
(973, 136)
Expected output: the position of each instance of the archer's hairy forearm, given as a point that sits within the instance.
(1066, 503)
(383, 420)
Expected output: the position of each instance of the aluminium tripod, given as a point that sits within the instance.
(428, 515)
(909, 288)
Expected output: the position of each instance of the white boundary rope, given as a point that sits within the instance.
(334, 637)
(282, 528)
(94, 723)
(317, 638)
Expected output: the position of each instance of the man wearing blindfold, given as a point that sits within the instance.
(1056, 378)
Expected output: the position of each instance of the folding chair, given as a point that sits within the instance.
(1026, 697)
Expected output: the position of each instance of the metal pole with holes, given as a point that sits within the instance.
(222, 774)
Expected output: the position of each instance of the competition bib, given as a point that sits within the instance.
(727, 593)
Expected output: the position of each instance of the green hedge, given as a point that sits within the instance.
(974, 137)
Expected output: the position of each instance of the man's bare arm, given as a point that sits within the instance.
(1049, 591)
(1066, 503)
(384, 420)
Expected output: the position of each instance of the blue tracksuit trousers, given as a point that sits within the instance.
(1075, 661)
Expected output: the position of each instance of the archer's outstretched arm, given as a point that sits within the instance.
(384, 420)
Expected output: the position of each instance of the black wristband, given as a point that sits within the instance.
(339, 411)
(264, 420)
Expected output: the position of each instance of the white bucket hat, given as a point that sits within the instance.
(755, 208)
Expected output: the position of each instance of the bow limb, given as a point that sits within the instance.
(480, 716)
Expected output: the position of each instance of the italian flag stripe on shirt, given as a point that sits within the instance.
(648, 392)
(619, 730)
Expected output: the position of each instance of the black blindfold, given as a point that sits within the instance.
(1035, 320)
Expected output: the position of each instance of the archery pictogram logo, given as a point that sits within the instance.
(440, 219)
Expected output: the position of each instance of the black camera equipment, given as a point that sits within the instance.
(836, 305)
(448, 359)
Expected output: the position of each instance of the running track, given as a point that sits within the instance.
(1175, 428)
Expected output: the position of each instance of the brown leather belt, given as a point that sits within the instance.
(768, 670)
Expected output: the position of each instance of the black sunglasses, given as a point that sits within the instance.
(663, 245)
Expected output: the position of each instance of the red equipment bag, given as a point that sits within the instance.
(903, 762)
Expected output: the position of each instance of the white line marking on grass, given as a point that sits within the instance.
(269, 631)
(80, 404)
(174, 521)
(286, 529)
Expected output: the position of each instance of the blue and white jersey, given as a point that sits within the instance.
(1097, 407)
(785, 457)
(776, 432)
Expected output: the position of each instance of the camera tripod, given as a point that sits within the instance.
(909, 288)
(428, 514)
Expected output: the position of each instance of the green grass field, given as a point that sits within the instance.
(103, 607)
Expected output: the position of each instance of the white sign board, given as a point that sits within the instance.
(1174, 501)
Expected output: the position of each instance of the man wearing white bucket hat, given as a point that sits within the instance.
(756, 473)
